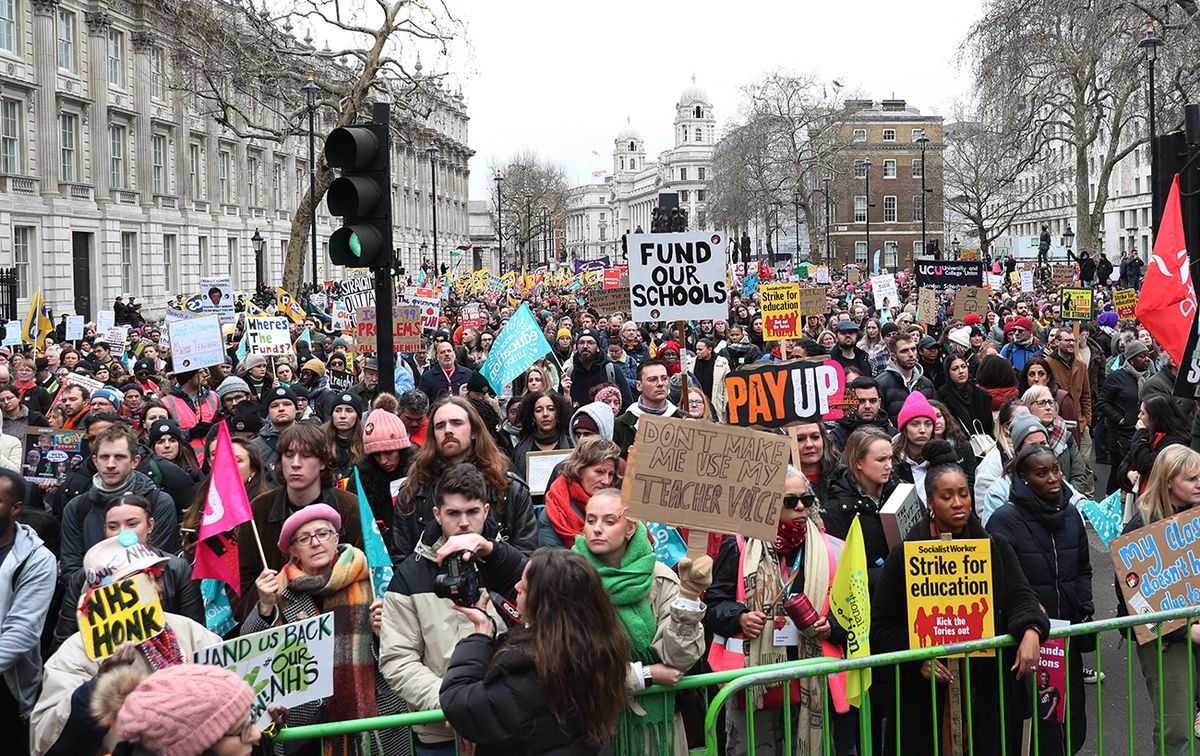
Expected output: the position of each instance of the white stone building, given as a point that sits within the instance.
(109, 186)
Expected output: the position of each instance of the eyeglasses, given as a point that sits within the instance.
(695, 402)
(1044, 403)
(321, 536)
(791, 501)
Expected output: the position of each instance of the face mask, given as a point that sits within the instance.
(790, 535)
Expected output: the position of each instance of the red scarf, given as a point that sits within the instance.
(21, 389)
(561, 502)
(1000, 396)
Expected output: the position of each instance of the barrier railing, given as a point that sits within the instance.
(734, 682)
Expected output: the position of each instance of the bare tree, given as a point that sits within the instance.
(535, 195)
(244, 68)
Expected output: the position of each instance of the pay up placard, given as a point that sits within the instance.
(127, 611)
(948, 587)
(778, 394)
(678, 276)
(713, 478)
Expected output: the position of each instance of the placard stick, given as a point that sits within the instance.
(258, 540)
(697, 540)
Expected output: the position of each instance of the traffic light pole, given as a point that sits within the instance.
(384, 295)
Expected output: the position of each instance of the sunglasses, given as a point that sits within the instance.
(791, 501)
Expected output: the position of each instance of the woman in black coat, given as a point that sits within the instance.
(1159, 425)
(861, 485)
(1051, 544)
(1015, 612)
(967, 402)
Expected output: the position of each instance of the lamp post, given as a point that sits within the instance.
(424, 250)
(796, 219)
(528, 229)
(867, 211)
(499, 221)
(310, 94)
(924, 142)
(956, 246)
(257, 242)
(1150, 44)
(1068, 240)
(544, 257)
(432, 150)
(828, 220)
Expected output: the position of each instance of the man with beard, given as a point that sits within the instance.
(446, 377)
(1022, 346)
(847, 353)
(868, 411)
(589, 368)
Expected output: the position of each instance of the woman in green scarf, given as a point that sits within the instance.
(661, 613)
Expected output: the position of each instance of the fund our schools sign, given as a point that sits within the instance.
(678, 276)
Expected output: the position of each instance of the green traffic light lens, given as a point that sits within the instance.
(355, 245)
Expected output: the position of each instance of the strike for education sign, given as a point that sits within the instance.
(678, 276)
(286, 665)
(713, 478)
(781, 310)
(948, 585)
(779, 394)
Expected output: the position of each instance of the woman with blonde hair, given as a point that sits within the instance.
(592, 466)
(1042, 404)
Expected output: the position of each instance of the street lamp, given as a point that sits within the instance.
(956, 246)
(828, 220)
(424, 250)
(257, 242)
(866, 164)
(924, 142)
(499, 220)
(432, 151)
(1068, 239)
(528, 229)
(796, 209)
(1150, 44)
(310, 90)
(544, 257)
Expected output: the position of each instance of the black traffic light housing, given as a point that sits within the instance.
(361, 195)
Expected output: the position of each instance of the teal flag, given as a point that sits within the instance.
(378, 558)
(518, 346)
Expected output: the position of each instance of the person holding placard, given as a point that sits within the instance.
(1014, 611)
(545, 419)
(592, 467)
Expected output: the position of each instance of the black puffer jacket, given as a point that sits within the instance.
(841, 429)
(847, 499)
(893, 391)
(1052, 547)
(512, 514)
(1119, 402)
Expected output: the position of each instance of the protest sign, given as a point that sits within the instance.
(812, 302)
(115, 338)
(429, 303)
(406, 329)
(943, 274)
(218, 297)
(1076, 304)
(1026, 279)
(127, 611)
(821, 274)
(516, 347)
(1051, 688)
(1125, 303)
(970, 299)
(883, 288)
(50, 454)
(678, 276)
(357, 293)
(778, 394)
(343, 316)
(287, 665)
(105, 319)
(269, 336)
(927, 306)
(996, 282)
(709, 477)
(13, 333)
(472, 316)
(852, 276)
(1156, 567)
(949, 589)
(614, 297)
(74, 327)
(1062, 274)
(599, 263)
(538, 467)
(781, 310)
(196, 343)
(900, 513)
(749, 284)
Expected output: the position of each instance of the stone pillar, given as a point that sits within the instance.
(100, 147)
(45, 56)
(142, 151)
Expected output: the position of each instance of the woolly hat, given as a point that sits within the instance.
(182, 710)
(563, 333)
(247, 417)
(231, 385)
(478, 383)
(342, 342)
(608, 393)
(972, 318)
(916, 405)
(253, 361)
(961, 336)
(1108, 319)
(1021, 322)
(597, 417)
(162, 428)
(384, 432)
(1023, 425)
(303, 517)
(109, 393)
(315, 366)
(279, 392)
(143, 364)
(348, 399)
(1134, 348)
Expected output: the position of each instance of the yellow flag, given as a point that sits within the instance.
(287, 305)
(37, 321)
(850, 602)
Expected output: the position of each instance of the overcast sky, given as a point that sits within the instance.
(561, 77)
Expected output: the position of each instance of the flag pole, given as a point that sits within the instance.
(258, 541)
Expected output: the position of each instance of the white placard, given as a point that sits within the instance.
(74, 327)
(196, 343)
(678, 276)
(115, 338)
(343, 318)
(996, 282)
(539, 466)
(429, 302)
(822, 274)
(105, 319)
(217, 297)
(1026, 281)
(883, 288)
(12, 333)
(269, 336)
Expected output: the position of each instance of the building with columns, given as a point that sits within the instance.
(110, 184)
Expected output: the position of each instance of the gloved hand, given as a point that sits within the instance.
(694, 576)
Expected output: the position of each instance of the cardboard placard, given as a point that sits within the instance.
(406, 329)
(900, 513)
(948, 584)
(927, 306)
(1062, 274)
(970, 299)
(614, 297)
(883, 288)
(196, 343)
(290, 665)
(1076, 304)
(538, 467)
(852, 276)
(1125, 303)
(779, 394)
(944, 274)
(50, 454)
(1156, 569)
(678, 276)
(708, 477)
(125, 611)
(813, 302)
(781, 310)
(269, 336)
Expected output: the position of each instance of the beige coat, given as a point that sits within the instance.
(69, 668)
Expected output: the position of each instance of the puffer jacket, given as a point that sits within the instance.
(27, 579)
(846, 499)
(512, 515)
(420, 630)
(841, 429)
(893, 389)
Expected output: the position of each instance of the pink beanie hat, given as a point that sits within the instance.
(303, 517)
(916, 405)
(183, 710)
(384, 432)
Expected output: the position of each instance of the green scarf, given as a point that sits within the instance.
(628, 587)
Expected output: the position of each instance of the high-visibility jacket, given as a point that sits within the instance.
(181, 409)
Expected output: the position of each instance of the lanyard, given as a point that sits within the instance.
(784, 579)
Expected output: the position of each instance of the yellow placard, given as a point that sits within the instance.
(1125, 303)
(125, 611)
(780, 310)
(1076, 304)
(949, 589)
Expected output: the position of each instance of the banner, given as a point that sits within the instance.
(778, 394)
(599, 263)
(127, 611)
(709, 477)
(1076, 304)
(883, 288)
(949, 589)
(196, 343)
(943, 274)
(970, 299)
(406, 329)
(678, 276)
(269, 336)
(1125, 303)
(781, 310)
(287, 665)
(288, 305)
(516, 347)
(218, 297)
(669, 546)
(1051, 683)
(50, 454)
(1156, 567)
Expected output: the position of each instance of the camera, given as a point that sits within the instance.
(459, 580)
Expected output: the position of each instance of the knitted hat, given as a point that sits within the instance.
(384, 432)
(109, 393)
(303, 517)
(348, 399)
(1021, 322)
(182, 710)
(563, 333)
(132, 387)
(961, 336)
(143, 364)
(232, 384)
(1108, 319)
(342, 342)
(279, 392)
(316, 366)
(916, 405)
(247, 417)
(253, 361)
(584, 422)
(1134, 348)
(608, 393)
(972, 318)
(1023, 425)
(478, 383)
(162, 428)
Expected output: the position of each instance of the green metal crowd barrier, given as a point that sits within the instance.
(734, 682)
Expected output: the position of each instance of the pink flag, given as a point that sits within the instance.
(227, 507)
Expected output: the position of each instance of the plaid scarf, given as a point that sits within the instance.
(1057, 436)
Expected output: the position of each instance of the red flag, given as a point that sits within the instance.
(226, 507)
(1167, 302)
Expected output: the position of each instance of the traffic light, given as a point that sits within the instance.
(362, 195)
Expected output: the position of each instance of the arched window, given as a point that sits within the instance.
(632, 146)
(699, 112)
(698, 139)
(685, 133)
(622, 163)
(632, 164)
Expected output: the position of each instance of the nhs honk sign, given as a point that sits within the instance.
(127, 611)
(678, 276)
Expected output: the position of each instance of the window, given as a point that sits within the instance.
(683, 174)
(128, 252)
(23, 241)
(698, 137)
(252, 181)
(10, 136)
(918, 248)
(632, 164)
(889, 169)
(277, 185)
(223, 174)
(1137, 185)
(158, 150)
(918, 168)
(684, 137)
(193, 170)
(168, 244)
(860, 169)
(859, 135)
(66, 40)
(8, 25)
(202, 251)
(698, 112)
(889, 209)
(700, 195)
(860, 209)
(68, 124)
(918, 209)
(860, 252)
(117, 136)
(683, 195)
(917, 134)
(890, 251)
(158, 82)
(632, 146)
(700, 172)
(116, 58)
(889, 135)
